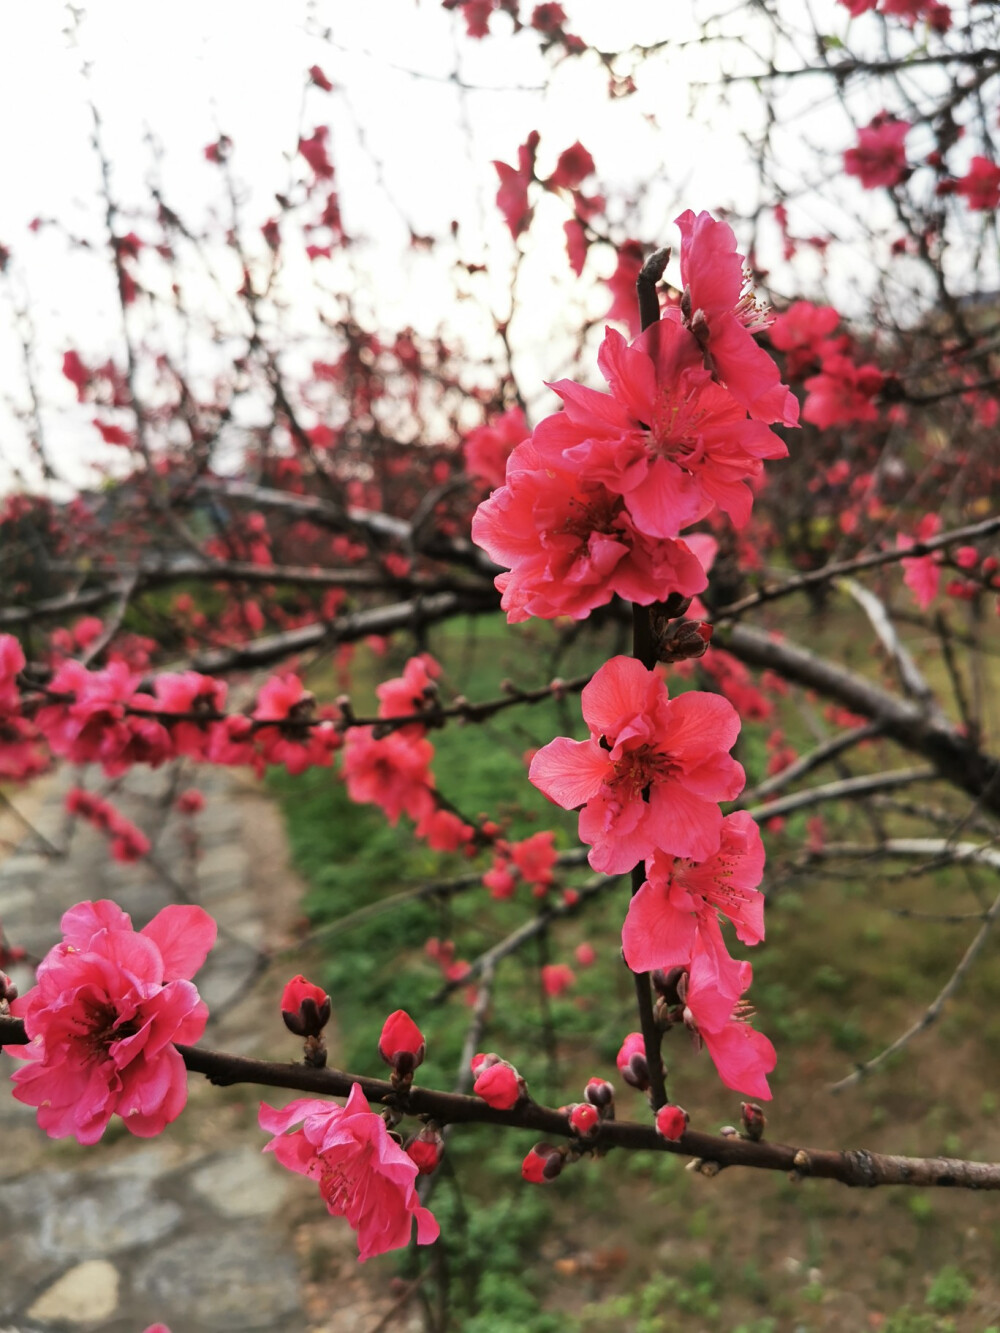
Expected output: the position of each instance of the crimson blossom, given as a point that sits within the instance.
(363, 1174)
(652, 772)
(880, 156)
(102, 1021)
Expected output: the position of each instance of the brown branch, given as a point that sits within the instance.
(952, 754)
(822, 754)
(843, 789)
(347, 629)
(855, 1168)
(801, 582)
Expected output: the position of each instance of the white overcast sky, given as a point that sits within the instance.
(186, 71)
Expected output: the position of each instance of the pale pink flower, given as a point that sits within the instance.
(108, 1006)
(363, 1174)
(680, 898)
(652, 772)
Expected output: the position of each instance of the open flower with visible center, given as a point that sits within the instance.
(565, 531)
(109, 1005)
(362, 1173)
(652, 772)
(668, 438)
(680, 899)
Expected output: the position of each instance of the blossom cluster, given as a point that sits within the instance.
(593, 506)
(595, 500)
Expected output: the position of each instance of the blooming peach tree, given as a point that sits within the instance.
(666, 513)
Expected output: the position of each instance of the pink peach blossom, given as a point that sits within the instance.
(363, 1174)
(652, 772)
(393, 773)
(680, 898)
(668, 438)
(716, 1014)
(880, 156)
(488, 447)
(722, 312)
(570, 542)
(108, 1006)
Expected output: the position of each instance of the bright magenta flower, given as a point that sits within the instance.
(721, 311)
(363, 1174)
(569, 540)
(109, 1005)
(681, 898)
(880, 156)
(652, 772)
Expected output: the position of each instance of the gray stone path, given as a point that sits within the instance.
(190, 1228)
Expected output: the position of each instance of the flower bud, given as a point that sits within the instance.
(497, 1082)
(671, 985)
(401, 1044)
(600, 1093)
(584, 1117)
(542, 1164)
(683, 641)
(426, 1149)
(753, 1120)
(305, 1007)
(671, 1121)
(631, 1062)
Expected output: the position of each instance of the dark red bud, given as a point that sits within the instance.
(542, 1164)
(600, 1093)
(754, 1121)
(402, 1043)
(305, 1007)
(671, 1121)
(426, 1149)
